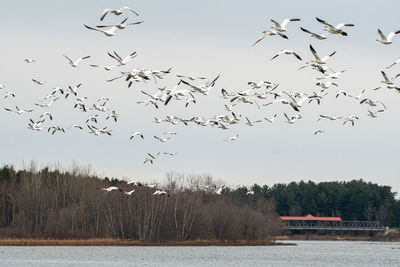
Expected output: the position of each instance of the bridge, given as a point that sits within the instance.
(310, 222)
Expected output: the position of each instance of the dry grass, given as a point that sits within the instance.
(120, 242)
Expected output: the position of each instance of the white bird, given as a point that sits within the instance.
(229, 108)
(110, 32)
(281, 27)
(35, 126)
(351, 119)
(171, 133)
(325, 85)
(163, 140)
(319, 60)
(116, 12)
(203, 88)
(111, 188)
(386, 80)
(335, 29)
(55, 129)
(47, 114)
(341, 92)
(373, 114)
(287, 52)
(73, 90)
(130, 192)
(329, 117)
(250, 193)
(170, 153)
(292, 119)
(269, 33)
(19, 111)
(315, 35)
(9, 94)
(76, 126)
(123, 61)
(219, 190)
(250, 123)
(271, 120)
(358, 97)
(48, 105)
(394, 63)
(386, 39)
(232, 138)
(107, 68)
(190, 77)
(334, 75)
(113, 115)
(121, 25)
(318, 132)
(136, 134)
(38, 82)
(76, 62)
(28, 60)
(160, 193)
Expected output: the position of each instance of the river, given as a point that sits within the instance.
(306, 253)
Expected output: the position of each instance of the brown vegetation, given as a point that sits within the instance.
(55, 204)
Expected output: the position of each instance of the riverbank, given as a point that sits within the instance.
(391, 237)
(120, 242)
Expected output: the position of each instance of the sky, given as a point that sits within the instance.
(202, 38)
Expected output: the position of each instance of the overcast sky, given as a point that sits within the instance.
(202, 38)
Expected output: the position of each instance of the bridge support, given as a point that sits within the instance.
(308, 235)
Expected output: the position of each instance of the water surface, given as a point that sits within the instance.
(306, 253)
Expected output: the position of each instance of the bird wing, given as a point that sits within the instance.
(134, 12)
(90, 28)
(104, 14)
(390, 36)
(277, 25)
(69, 60)
(314, 53)
(385, 77)
(383, 37)
(325, 23)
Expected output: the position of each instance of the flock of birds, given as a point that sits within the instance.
(188, 88)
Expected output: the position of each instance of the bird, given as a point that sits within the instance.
(107, 68)
(335, 29)
(35, 126)
(250, 193)
(160, 193)
(116, 12)
(292, 119)
(109, 33)
(319, 60)
(269, 33)
(73, 90)
(76, 126)
(28, 60)
(358, 97)
(170, 153)
(315, 35)
(232, 138)
(329, 117)
(113, 115)
(281, 27)
(55, 129)
(47, 114)
(111, 188)
(19, 111)
(219, 190)
(271, 120)
(386, 39)
(130, 192)
(250, 123)
(286, 52)
(163, 140)
(394, 63)
(341, 92)
(38, 82)
(373, 114)
(136, 134)
(9, 94)
(351, 119)
(325, 85)
(318, 132)
(121, 25)
(123, 61)
(76, 62)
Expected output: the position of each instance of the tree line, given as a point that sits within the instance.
(355, 200)
(71, 204)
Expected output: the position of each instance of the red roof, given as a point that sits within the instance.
(309, 217)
